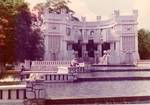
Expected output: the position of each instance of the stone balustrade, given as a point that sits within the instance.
(44, 68)
(60, 78)
(54, 71)
(50, 63)
(13, 92)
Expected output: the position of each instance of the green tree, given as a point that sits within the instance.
(144, 43)
(18, 40)
(55, 6)
(29, 40)
(7, 40)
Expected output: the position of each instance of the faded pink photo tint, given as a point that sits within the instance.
(74, 52)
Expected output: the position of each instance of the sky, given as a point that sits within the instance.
(104, 8)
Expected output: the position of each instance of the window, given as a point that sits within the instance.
(54, 28)
(92, 33)
(69, 46)
(128, 43)
(68, 31)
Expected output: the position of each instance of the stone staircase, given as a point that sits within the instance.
(143, 63)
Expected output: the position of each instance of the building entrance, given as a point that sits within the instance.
(90, 48)
(105, 46)
(78, 47)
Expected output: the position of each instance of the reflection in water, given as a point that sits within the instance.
(98, 89)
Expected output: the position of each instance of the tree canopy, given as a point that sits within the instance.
(144, 43)
(7, 23)
(29, 40)
(18, 39)
(56, 6)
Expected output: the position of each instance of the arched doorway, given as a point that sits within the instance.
(90, 48)
(105, 46)
(78, 47)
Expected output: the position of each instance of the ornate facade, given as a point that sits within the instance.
(66, 38)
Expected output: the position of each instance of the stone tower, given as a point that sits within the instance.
(127, 30)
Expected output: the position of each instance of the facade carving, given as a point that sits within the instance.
(66, 38)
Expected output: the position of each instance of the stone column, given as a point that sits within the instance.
(100, 50)
(112, 46)
(46, 44)
(83, 49)
(13, 94)
(63, 49)
(96, 53)
(85, 56)
(75, 54)
(5, 95)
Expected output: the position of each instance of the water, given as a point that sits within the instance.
(98, 89)
(115, 74)
(95, 89)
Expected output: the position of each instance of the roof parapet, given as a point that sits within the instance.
(98, 18)
(116, 13)
(135, 12)
(83, 19)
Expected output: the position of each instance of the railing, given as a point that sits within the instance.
(44, 68)
(54, 71)
(44, 63)
(13, 92)
(77, 70)
(48, 65)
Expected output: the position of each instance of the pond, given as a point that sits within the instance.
(97, 89)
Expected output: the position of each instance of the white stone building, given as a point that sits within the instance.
(66, 38)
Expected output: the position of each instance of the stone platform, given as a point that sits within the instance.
(100, 101)
(120, 84)
(117, 72)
